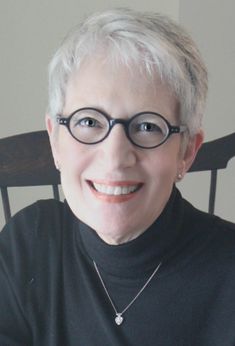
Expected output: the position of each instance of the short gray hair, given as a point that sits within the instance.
(155, 42)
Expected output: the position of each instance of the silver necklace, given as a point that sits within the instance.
(119, 315)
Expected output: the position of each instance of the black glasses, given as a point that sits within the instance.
(145, 130)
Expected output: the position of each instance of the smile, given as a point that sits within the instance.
(114, 191)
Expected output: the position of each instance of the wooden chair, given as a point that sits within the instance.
(26, 160)
(214, 156)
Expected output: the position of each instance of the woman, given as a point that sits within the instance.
(125, 260)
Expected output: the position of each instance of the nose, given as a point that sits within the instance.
(117, 151)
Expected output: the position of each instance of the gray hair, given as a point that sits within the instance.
(153, 41)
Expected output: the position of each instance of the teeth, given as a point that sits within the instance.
(115, 190)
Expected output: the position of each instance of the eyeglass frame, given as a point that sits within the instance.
(172, 129)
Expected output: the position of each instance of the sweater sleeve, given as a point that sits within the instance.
(16, 246)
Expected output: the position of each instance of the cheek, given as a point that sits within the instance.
(161, 178)
(72, 155)
(74, 160)
(162, 168)
(73, 168)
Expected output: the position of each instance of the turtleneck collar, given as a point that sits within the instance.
(138, 256)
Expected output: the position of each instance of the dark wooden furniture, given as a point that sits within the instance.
(26, 160)
(214, 156)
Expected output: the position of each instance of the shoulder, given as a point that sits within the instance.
(219, 233)
(204, 219)
(29, 248)
(28, 219)
(29, 228)
(30, 239)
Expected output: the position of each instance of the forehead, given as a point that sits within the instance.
(118, 89)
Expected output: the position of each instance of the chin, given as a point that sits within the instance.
(117, 233)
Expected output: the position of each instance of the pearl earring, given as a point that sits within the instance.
(179, 176)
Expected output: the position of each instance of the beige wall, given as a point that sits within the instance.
(211, 22)
(30, 30)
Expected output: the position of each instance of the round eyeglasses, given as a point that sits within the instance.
(145, 130)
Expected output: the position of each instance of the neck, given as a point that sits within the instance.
(119, 239)
(145, 251)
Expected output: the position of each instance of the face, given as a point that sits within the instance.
(115, 187)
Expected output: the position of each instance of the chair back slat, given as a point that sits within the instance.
(6, 203)
(56, 193)
(26, 160)
(212, 193)
(213, 156)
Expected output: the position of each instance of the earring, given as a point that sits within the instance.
(179, 177)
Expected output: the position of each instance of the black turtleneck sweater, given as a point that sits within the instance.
(51, 295)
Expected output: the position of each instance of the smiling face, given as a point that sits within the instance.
(113, 186)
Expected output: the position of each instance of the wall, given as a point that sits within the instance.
(212, 25)
(31, 30)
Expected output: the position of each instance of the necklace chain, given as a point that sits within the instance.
(119, 317)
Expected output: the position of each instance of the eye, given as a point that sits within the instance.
(148, 127)
(87, 122)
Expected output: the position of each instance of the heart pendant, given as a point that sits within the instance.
(118, 319)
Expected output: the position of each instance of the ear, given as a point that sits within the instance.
(190, 152)
(50, 126)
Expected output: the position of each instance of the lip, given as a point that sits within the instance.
(112, 198)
